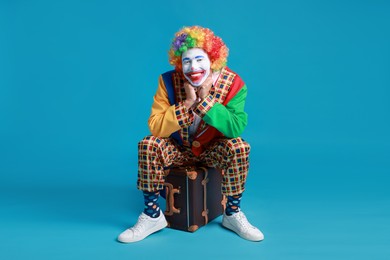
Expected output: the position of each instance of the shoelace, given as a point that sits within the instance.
(140, 224)
(243, 220)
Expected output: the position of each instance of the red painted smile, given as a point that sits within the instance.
(196, 76)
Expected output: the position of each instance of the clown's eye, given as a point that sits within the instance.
(199, 60)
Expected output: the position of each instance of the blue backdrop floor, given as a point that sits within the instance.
(307, 208)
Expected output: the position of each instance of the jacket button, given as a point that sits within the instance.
(196, 144)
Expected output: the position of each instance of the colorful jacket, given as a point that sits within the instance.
(222, 111)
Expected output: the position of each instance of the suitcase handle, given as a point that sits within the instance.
(205, 212)
(170, 191)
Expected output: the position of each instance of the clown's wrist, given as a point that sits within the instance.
(188, 103)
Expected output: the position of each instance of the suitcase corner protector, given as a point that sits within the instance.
(193, 228)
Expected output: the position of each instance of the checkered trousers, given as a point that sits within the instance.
(229, 154)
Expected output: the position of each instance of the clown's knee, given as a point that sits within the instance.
(151, 143)
(236, 146)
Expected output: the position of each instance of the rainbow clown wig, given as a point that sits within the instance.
(198, 37)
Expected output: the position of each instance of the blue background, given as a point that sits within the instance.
(76, 86)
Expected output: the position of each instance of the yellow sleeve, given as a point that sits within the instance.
(165, 118)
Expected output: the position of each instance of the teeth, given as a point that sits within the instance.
(196, 74)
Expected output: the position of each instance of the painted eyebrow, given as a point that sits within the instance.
(197, 57)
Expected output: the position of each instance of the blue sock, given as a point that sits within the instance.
(152, 208)
(233, 204)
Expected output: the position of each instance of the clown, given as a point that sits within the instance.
(200, 119)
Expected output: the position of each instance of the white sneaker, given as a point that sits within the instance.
(239, 224)
(143, 228)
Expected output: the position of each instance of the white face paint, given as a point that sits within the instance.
(196, 66)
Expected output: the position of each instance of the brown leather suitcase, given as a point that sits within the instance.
(193, 197)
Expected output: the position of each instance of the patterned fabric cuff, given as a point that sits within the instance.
(184, 116)
(205, 105)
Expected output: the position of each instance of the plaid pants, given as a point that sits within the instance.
(156, 154)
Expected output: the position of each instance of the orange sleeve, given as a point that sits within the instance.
(165, 118)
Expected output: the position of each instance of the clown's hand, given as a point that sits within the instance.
(191, 97)
(204, 89)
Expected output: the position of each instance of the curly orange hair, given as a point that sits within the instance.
(198, 37)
